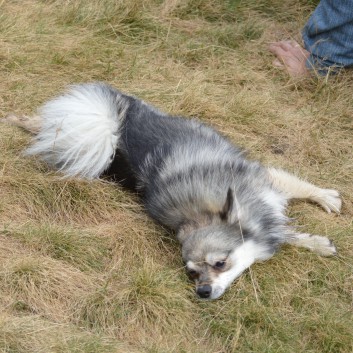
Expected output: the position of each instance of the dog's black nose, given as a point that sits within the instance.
(204, 291)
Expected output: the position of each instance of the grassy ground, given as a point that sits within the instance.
(82, 269)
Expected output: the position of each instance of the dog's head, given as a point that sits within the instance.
(216, 254)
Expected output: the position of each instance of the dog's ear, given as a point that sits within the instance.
(229, 212)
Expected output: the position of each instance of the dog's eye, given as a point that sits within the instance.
(220, 264)
(193, 274)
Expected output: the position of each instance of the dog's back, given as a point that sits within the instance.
(182, 168)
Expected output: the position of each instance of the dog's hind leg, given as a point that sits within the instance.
(316, 243)
(294, 188)
(31, 124)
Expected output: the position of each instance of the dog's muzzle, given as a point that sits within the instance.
(204, 291)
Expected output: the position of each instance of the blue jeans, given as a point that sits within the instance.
(328, 35)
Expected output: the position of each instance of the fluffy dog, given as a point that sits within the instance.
(227, 212)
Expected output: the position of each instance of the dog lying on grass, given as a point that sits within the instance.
(227, 212)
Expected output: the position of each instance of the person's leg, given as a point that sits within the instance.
(328, 41)
(328, 35)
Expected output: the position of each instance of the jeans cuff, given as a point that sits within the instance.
(322, 66)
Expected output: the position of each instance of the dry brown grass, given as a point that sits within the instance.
(82, 268)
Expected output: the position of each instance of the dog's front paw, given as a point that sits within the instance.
(323, 246)
(330, 200)
(317, 243)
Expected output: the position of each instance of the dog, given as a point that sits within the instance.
(226, 211)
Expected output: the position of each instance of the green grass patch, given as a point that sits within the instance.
(76, 247)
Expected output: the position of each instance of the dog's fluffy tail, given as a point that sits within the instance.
(80, 129)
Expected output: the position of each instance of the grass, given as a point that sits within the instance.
(82, 268)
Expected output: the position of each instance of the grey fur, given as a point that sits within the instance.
(192, 180)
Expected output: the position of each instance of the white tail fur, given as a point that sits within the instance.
(80, 130)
